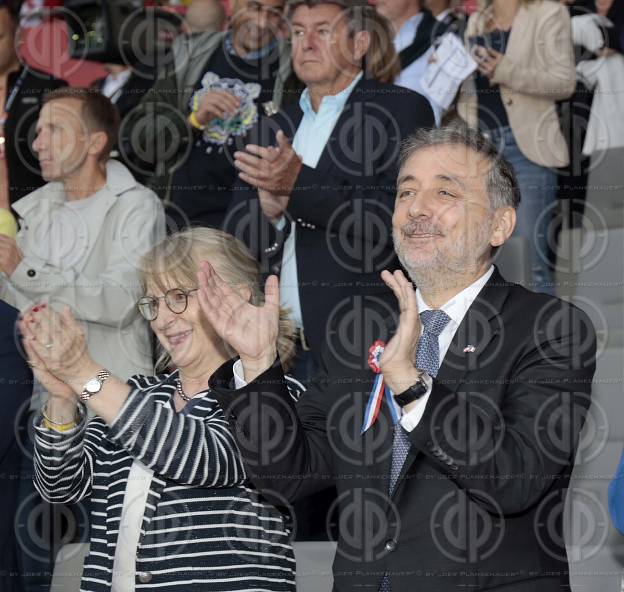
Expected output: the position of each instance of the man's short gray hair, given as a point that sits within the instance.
(501, 182)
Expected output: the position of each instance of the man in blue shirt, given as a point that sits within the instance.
(317, 207)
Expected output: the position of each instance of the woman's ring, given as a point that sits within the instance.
(48, 345)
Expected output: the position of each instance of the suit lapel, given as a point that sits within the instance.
(517, 43)
(422, 40)
(480, 328)
(288, 120)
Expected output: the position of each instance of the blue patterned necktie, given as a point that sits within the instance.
(427, 359)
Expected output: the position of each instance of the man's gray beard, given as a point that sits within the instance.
(427, 277)
(431, 278)
(437, 275)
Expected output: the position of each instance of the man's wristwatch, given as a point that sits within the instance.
(416, 391)
(94, 385)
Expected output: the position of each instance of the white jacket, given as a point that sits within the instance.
(102, 284)
(605, 129)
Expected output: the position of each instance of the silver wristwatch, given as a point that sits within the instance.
(94, 385)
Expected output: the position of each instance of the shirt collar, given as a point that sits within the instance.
(407, 32)
(120, 76)
(457, 307)
(336, 101)
(444, 14)
(118, 180)
(252, 55)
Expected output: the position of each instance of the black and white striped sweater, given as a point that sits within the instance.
(203, 528)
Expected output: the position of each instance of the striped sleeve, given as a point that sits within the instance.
(184, 448)
(64, 461)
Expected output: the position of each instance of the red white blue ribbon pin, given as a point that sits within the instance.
(379, 389)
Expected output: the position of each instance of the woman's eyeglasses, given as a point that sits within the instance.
(176, 300)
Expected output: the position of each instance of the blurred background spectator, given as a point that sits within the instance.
(204, 16)
(21, 90)
(526, 63)
(415, 30)
(219, 87)
(124, 86)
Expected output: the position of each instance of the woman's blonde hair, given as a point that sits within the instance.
(381, 62)
(175, 261)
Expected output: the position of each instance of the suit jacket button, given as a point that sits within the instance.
(31, 273)
(145, 577)
(390, 545)
(510, 102)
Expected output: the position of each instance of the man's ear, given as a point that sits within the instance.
(503, 227)
(361, 43)
(98, 142)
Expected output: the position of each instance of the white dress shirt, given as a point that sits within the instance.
(113, 84)
(411, 76)
(135, 497)
(309, 142)
(456, 308)
(440, 18)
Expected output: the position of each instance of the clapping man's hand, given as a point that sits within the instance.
(397, 360)
(274, 169)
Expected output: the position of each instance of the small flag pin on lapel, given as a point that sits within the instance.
(469, 349)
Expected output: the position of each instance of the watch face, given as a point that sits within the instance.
(93, 386)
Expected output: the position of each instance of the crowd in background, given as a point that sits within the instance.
(279, 125)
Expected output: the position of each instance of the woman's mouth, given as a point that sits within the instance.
(177, 338)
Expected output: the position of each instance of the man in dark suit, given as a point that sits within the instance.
(317, 208)
(16, 388)
(124, 86)
(459, 481)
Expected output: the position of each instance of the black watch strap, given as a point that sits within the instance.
(413, 393)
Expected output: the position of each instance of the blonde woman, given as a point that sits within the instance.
(526, 63)
(171, 505)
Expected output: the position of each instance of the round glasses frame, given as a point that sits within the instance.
(149, 303)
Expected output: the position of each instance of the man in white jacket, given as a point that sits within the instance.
(82, 234)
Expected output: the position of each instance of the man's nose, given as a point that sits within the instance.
(263, 19)
(420, 205)
(309, 40)
(37, 144)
